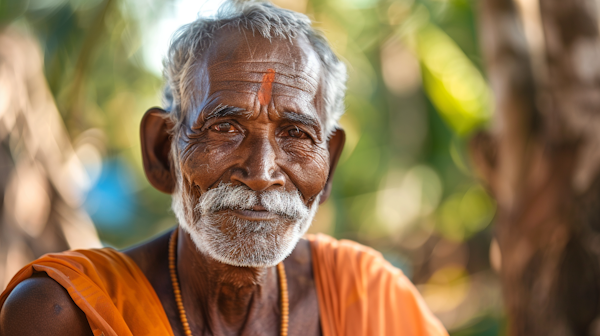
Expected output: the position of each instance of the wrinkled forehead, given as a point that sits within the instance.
(240, 52)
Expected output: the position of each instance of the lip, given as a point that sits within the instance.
(259, 208)
(255, 214)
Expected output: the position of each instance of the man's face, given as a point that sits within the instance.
(253, 156)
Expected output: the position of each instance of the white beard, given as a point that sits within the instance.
(229, 239)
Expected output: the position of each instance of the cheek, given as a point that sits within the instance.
(203, 162)
(309, 172)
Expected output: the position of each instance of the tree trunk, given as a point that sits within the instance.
(41, 176)
(540, 161)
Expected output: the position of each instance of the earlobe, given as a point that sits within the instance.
(156, 145)
(336, 145)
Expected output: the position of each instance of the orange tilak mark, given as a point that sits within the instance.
(264, 93)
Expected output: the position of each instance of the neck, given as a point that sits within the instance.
(220, 295)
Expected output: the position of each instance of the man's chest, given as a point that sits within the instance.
(303, 319)
(261, 316)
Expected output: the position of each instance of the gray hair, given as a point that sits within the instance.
(193, 39)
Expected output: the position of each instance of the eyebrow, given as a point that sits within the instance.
(224, 111)
(301, 118)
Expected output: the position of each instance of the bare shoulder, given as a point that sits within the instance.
(151, 256)
(40, 306)
(152, 259)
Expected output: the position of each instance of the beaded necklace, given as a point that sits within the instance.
(285, 311)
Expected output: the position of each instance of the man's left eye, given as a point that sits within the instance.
(224, 127)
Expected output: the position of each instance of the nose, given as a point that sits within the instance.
(259, 171)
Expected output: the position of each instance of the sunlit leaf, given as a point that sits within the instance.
(452, 82)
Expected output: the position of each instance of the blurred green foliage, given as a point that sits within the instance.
(404, 184)
(94, 69)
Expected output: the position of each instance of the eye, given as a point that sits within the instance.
(223, 127)
(296, 133)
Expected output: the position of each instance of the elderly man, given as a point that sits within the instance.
(247, 146)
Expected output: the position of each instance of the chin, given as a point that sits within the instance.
(240, 242)
(246, 243)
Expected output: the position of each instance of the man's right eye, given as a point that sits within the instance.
(223, 127)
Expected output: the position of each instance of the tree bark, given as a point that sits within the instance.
(40, 175)
(541, 163)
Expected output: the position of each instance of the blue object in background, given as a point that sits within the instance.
(111, 202)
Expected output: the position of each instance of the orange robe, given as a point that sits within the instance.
(359, 293)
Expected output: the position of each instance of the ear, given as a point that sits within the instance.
(336, 145)
(156, 145)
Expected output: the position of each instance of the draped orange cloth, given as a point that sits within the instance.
(359, 292)
(107, 286)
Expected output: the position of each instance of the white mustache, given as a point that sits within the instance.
(240, 197)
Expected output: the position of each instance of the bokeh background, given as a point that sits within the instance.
(404, 184)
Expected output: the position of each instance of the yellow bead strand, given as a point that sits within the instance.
(285, 305)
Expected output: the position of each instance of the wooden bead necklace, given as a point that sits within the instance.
(285, 308)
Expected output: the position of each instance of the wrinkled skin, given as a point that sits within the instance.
(277, 143)
(261, 148)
